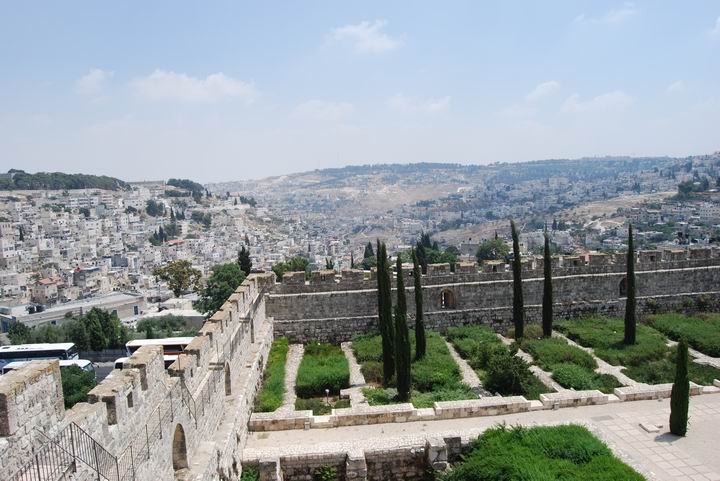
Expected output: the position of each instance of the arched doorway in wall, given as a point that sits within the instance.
(228, 386)
(179, 449)
(623, 287)
(447, 299)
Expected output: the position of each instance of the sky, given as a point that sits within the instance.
(219, 91)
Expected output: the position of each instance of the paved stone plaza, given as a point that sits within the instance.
(658, 455)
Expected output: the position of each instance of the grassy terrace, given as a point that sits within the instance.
(496, 366)
(702, 331)
(650, 360)
(323, 366)
(571, 367)
(273, 389)
(569, 453)
(434, 378)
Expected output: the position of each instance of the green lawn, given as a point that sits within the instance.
(568, 453)
(571, 367)
(496, 366)
(702, 331)
(273, 388)
(434, 378)
(650, 360)
(323, 366)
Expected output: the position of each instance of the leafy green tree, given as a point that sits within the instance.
(368, 251)
(95, 334)
(680, 395)
(518, 304)
(244, 260)
(385, 314)
(19, 333)
(547, 304)
(295, 264)
(223, 281)
(402, 340)
(76, 384)
(329, 264)
(420, 341)
(180, 276)
(630, 320)
(492, 249)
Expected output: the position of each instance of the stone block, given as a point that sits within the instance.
(573, 398)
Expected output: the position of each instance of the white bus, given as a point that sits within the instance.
(32, 352)
(168, 358)
(83, 364)
(171, 345)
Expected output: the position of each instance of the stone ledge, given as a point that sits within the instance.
(488, 406)
(643, 392)
(280, 421)
(573, 398)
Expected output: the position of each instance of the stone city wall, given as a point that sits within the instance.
(147, 423)
(480, 297)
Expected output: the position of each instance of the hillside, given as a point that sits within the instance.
(20, 180)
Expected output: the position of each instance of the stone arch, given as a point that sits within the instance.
(622, 287)
(228, 382)
(179, 449)
(447, 299)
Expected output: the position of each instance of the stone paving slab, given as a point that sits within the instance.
(469, 375)
(357, 380)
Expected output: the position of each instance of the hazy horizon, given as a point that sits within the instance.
(238, 91)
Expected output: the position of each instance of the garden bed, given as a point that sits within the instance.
(540, 453)
(271, 395)
(323, 367)
(649, 361)
(436, 377)
(570, 366)
(702, 331)
(497, 366)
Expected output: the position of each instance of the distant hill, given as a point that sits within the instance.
(186, 184)
(20, 180)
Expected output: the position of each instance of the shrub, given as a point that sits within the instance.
(510, 375)
(663, 371)
(437, 368)
(325, 473)
(273, 388)
(466, 339)
(76, 384)
(605, 336)
(458, 392)
(377, 396)
(318, 405)
(551, 351)
(540, 454)
(249, 474)
(372, 371)
(572, 376)
(701, 332)
(530, 331)
(323, 366)
(367, 347)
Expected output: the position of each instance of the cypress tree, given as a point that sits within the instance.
(420, 343)
(547, 305)
(518, 305)
(352, 261)
(680, 395)
(385, 314)
(402, 340)
(630, 320)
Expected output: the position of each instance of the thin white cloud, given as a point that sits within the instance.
(163, 85)
(715, 32)
(613, 16)
(323, 110)
(611, 101)
(367, 36)
(93, 82)
(675, 87)
(403, 103)
(542, 90)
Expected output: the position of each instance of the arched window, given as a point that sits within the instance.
(228, 387)
(447, 299)
(623, 287)
(179, 449)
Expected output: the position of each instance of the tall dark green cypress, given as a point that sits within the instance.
(402, 339)
(385, 314)
(420, 342)
(518, 304)
(680, 395)
(547, 305)
(630, 320)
